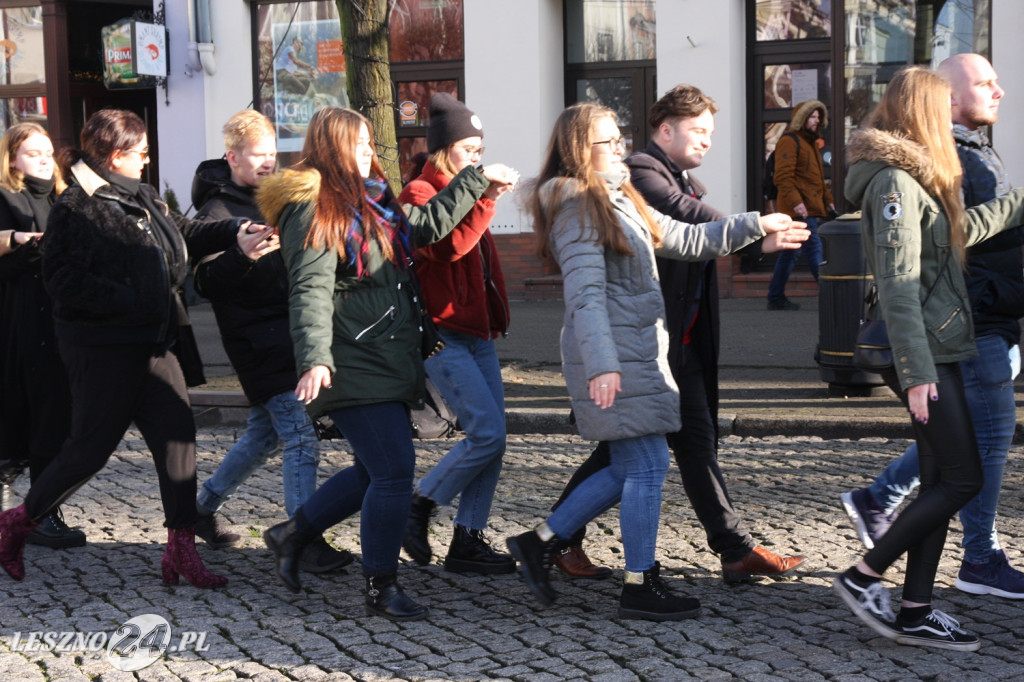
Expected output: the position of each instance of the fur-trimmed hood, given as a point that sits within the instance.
(870, 150)
(803, 110)
(286, 187)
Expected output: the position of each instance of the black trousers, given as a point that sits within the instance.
(111, 386)
(951, 475)
(696, 454)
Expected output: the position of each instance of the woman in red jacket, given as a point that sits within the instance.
(464, 291)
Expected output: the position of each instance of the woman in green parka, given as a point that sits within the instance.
(905, 173)
(355, 325)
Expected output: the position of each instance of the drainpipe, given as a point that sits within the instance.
(200, 38)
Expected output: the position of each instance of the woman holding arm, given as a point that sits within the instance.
(347, 245)
(906, 175)
(614, 344)
(114, 259)
(464, 292)
(35, 406)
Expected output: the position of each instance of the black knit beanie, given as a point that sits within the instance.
(450, 121)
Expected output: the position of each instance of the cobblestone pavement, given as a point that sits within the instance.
(489, 627)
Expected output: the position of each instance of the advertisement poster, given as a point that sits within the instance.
(150, 53)
(309, 73)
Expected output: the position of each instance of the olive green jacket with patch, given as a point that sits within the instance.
(906, 238)
(364, 329)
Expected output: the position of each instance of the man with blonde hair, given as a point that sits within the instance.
(248, 287)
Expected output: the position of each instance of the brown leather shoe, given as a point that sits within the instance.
(760, 562)
(575, 563)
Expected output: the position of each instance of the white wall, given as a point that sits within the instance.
(716, 66)
(514, 82)
(1008, 133)
(190, 126)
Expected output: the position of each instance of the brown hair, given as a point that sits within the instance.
(567, 163)
(331, 139)
(246, 127)
(682, 101)
(11, 178)
(916, 105)
(106, 131)
(441, 160)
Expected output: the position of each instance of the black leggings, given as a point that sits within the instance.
(111, 386)
(951, 476)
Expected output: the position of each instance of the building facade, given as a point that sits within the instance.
(517, 64)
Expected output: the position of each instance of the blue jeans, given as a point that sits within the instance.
(811, 250)
(635, 476)
(988, 384)
(468, 376)
(378, 484)
(278, 425)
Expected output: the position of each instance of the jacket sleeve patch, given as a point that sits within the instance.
(893, 205)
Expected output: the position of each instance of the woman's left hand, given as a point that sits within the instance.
(311, 381)
(917, 399)
(603, 388)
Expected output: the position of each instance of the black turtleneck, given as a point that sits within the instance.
(40, 198)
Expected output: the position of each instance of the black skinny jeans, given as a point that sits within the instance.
(951, 475)
(111, 386)
(696, 455)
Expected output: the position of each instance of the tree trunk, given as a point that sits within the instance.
(364, 32)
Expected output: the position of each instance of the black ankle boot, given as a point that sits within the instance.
(384, 597)
(415, 543)
(535, 558)
(286, 541)
(652, 600)
(471, 553)
(52, 532)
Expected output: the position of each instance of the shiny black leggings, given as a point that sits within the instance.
(951, 476)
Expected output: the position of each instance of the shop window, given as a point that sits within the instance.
(793, 19)
(609, 31)
(22, 69)
(300, 66)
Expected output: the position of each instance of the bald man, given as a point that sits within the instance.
(996, 288)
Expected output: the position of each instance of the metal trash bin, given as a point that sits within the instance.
(843, 281)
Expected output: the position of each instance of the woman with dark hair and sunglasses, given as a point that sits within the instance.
(114, 259)
(355, 324)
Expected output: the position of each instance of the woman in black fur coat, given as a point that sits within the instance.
(114, 259)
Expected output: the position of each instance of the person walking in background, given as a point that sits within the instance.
(614, 347)
(114, 259)
(803, 193)
(682, 123)
(347, 245)
(248, 287)
(35, 405)
(995, 284)
(905, 174)
(464, 292)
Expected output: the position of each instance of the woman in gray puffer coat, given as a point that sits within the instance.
(614, 343)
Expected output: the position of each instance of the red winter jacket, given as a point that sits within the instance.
(463, 287)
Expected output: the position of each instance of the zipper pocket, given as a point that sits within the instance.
(949, 319)
(389, 312)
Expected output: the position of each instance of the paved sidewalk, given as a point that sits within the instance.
(489, 627)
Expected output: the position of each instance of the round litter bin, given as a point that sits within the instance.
(843, 281)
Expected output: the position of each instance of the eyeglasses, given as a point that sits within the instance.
(612, 142)
(473, 151)
(143, 153)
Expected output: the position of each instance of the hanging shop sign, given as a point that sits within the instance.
(134, 54)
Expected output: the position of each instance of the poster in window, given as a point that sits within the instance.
(309, 74)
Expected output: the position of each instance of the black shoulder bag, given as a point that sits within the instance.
(872, 351)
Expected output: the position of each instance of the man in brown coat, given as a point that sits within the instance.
(803, 194)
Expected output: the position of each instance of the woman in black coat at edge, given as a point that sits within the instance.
(35, 406)
(114, 259)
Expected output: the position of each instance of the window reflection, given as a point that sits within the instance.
(614, 93)
(425, 30)
(414, 100)
(786, 85)
(609, 30)
(21, 39)
(20, 110)
(794, 19)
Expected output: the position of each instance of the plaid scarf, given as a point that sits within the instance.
(385, 209)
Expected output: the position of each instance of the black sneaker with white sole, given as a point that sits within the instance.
(871, 604)
(938, 630)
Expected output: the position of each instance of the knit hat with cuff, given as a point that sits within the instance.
(450, 121)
